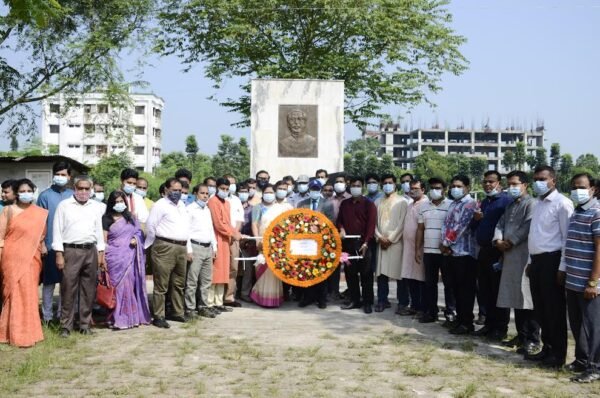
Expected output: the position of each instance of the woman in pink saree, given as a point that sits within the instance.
(125, 263)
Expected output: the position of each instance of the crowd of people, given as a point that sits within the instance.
(536, 255)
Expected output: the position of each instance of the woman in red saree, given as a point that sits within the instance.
(22, 232)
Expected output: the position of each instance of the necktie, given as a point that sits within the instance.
(314, 204)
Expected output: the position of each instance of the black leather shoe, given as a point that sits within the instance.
(449, 324)
(586, 377)
(304, 303)
(161, 323)
(514, 342)
(462, 330)
(368, 308)
(496, 335)
(64, 333)
(206, 313)
(86, 332)
(529, 347)
(190, 316)
(214, 310)
(551, 361)
(480, 320)
(222, 308)
(379, 307)
(427, 318)
(576, 367)
(177, 318)
(406, 312)
(539, 356)
(484, 331)
(234, 304)
(351, 306)
(322, 305)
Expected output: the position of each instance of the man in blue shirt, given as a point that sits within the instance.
(488, 274)
(49, 200)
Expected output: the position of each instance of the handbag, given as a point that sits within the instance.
(105, 292)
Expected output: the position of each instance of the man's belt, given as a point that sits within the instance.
(79, 245)
(173, 241)
(200, 243)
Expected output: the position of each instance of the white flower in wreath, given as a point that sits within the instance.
(332, 255)
(272, 240)
(325, 237)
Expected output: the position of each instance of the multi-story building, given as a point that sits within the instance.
(489, 143)
(90, 128)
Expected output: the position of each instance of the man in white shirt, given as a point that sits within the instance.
(204, 247)
(547, 238)
(135, 202)
(78, 241)
(168, 234)
(302, 193)
(237, 220)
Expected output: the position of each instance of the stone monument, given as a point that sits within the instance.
(297, 126)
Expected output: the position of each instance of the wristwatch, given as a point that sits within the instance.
(592, 283)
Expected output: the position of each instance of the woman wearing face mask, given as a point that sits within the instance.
(22, 233)
(268, 290)
(125, 263)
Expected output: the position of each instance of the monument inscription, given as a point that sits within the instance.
(298, 135)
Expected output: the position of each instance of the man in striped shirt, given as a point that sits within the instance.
(581, 261)
(429, 235)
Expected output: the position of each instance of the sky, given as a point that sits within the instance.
(529, 61)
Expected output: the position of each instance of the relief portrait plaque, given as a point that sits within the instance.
(298, 131)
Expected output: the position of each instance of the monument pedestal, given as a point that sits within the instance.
(297, 126)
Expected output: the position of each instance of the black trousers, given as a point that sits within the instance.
(316, 293)
(358, 273)
(333, 282)
(528, 330)
(549, 302)
(489, 285)
(584, 319)
(434, 263)
(463, 274)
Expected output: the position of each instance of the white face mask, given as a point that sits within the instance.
(141, 192)
(314, 195)
(372, 187)
(435, 194)
(389, 188)
(184, 197)
(540, 188)
(457, 193)
(232, 189)
(291, 189)
(243, 196)
(251, 192)
(356, 191)
(222, 194)
(99, 196)
(268, 197)
(212, 191)
(580, 196)
(119, 207)
(281, 193)
(322, 181)
(61, 181)
(339, 187)
(302, 188)
(405, 187)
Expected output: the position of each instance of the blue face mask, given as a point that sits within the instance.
(61, 181)
(355, 191)
(281, 193)
(128, 189)
(457, 193)
(212, 191)
(223, 194)
(26, 197)
(514, 192)
(243, 196)
(302, 188)
(314, 195)
(540, 188)
(389, 188)
(232, 189)
(174, 197)
(578, 196)
(269, 197)
(119, 207)
(201, 203)
(141, 193)
(372, 187)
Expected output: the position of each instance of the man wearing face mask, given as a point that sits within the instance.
(405, 180)
(340, 194)
(141, 188)
(98, 194)
(510, 237)
(237, 220)
(226, 233)
(262, 180)
(546, 240)
(135, 203)
(316, 202)
(168, 236)
(460, 247)
(211, 183)
(251, 183)
(321, 175)
(373, 192)
(49, 200)
(488, 276)
(582, 266)
(302, 193)
(185, 192)
(289, 180)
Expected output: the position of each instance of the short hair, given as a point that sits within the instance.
(250, 181)
(269, 186)
(83, 177)
(129, 173)
(207, 179)
(407, 175)
(143, 179)
(243, 185)
(591, 179)
(300, 111)
(462, 178)
(8, 183)
(327, 184)
(61, 165)
(547, 168)
(322, 171)
(494, 172)
(353, 179)
(341, 175)
(262, 172)
(23, 181)
(169, 182)
(98, 183)
(279, 183)
(418, 181)
(197, 187)
(229, 175)
(436, 180)
(289, 178)
(184, 183)
(521, 175)
(183, 172)
(388, 175)
(161, 188)
(223, 181)
(371, 175)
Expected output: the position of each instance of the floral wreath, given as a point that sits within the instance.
(302, 270)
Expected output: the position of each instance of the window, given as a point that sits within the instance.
(74, 146)
(89, 129)
(157, 113)
(140, 109)
(102, 108)
(54, 108)
(101, 150)
(87, 108)
(89, 149)
(156, 151)
(140, 130)
(54, 129)
(138, 150)
(157, 133)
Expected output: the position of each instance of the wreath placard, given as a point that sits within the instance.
(302, 247)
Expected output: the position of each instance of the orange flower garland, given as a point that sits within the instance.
(302, 270)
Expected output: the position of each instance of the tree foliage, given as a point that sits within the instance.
(108, 170)
(232, 158)
(386, 51)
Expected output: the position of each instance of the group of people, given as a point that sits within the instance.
(537, 256)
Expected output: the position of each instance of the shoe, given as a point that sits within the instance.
(351, 306)
(322, 305)
(86, 332)
(496, 335)
(427, 318)
(551, 361)
(406, 311)
(64, 333)
(304, 303)
(450, 317)
(246, 299)
(524, 348)
(368, 308)
(379, 307)
(450, 324)
(586, 377)
(214, 310)
(576, 367)
(462, 330)
(234, 304)
(161, 323)
(514, 342)
(480, 320)
(177, 318)
(387, 304)
(206, 313)
(484, 331)
(222, 308)
(538, 356)
(190, 316)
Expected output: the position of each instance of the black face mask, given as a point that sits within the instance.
(262, 184)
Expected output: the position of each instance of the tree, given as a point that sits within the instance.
(14, 143)
(368, 145)
(588, 161)
(457, 164)
(541, 157)
(555, 156)
(520, 155)
(508, 160)
(371, 165)
(566, 169)
(386, 51)
(386, 165)
(477, 166)
(232, 158)
(108, 170)
(431, 164)
(191, 146)
(66, 47)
